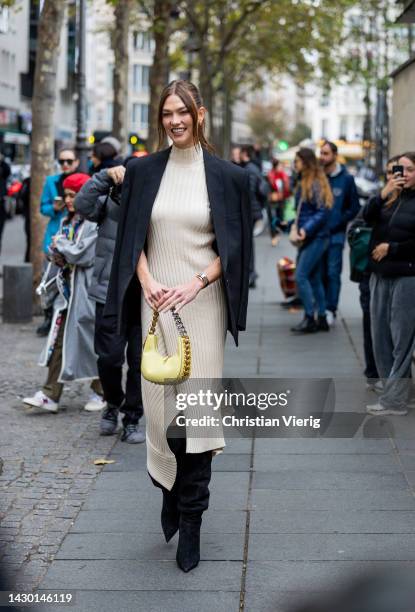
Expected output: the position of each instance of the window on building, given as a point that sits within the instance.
(110, 76)
(139, 115)
(142, 41)
(324, 128)
(141, 78)
(4, 20)
(343, 128)
(110, 113)
(144, 115)
(135, 115)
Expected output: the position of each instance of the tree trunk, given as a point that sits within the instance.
(43, 107)
(159, 73)
(120, 42)
(208, 96)
(227, 123)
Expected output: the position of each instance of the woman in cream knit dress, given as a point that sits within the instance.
(184, 233)
(179, 243)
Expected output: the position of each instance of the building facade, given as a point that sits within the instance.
(403, 106)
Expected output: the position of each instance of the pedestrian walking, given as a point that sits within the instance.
(52, 205)
(346, 205)
(104, 155)
(257, 195)
(392, 285)
(310, 232)
(69, 353)
(5, 171)
(185, 237)
(95, 204)
(280, 191)
(23, 199)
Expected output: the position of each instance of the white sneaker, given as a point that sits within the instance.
(331, 318)
(95, 403)
(411, 404)
(40, 400)
(259, 227)
(379, 410)
(377, 386)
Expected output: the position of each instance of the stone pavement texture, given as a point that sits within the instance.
(289, 517)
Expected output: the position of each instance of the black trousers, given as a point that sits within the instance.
(3, 218)
(371, 369)
(194, 471)
(111, 350)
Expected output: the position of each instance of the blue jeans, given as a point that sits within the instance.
(309, 276)
(334, 264)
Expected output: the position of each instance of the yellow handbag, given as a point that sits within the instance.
(166, 370)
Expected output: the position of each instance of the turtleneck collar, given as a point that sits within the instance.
(188, 156)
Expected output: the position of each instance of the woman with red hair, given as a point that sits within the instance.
(69, 351)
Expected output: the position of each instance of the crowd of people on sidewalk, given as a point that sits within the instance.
(136, 238)
(326, 206)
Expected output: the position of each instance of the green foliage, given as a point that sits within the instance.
(375, 44)
(245, 39)
(300, 132)
(267, 122)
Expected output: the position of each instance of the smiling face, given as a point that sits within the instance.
(67, 161)
(178, 122)
(408, 172)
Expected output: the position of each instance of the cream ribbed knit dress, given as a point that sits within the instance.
(179, 245)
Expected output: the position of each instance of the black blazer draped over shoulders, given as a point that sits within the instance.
(228, 191)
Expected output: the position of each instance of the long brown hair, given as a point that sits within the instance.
(311, 173)
(191, 98)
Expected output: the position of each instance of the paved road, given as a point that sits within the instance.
(289, 516)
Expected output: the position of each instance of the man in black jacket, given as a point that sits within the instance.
(257, 198)
(94, 203)
(4, 175)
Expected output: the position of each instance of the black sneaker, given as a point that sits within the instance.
(132, 434)
(109, 421)
(322, 324)
(294, 302)
(307, 326)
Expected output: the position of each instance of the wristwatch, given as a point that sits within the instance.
(202, 276)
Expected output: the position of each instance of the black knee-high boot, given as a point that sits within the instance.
(194, 473)
(169, 510)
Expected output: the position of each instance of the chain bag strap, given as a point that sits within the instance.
(166, 370)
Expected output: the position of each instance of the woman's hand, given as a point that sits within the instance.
(380, 251)
(153, 291)
(396, 183)
(301, 234)
(116, 174)
(179, 296)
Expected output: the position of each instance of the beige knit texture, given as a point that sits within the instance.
(179, 245)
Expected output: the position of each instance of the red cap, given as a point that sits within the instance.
(74, 182)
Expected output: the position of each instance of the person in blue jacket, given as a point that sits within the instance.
(52, 205)
(314, 200)
(345, 207)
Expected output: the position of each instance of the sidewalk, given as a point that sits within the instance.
(287, 518)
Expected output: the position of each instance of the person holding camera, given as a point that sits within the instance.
(392, 285)
(69, 353)
(52, 205)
